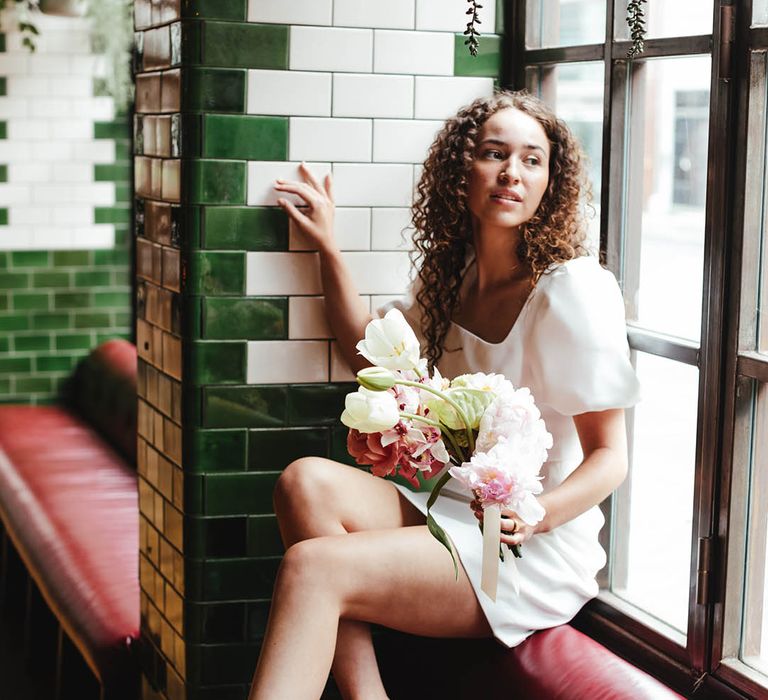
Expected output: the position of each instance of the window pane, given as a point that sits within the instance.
(665, 192)
(564, 22)
(668, 19)
(760, 13)
(754, 642)
(575, 92)
(651, 554)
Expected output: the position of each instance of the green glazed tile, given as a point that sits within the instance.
(3, 217)
(339, 451)
(4, 256)
(93, 278)
(230, 579)
(81, 341)
(216, 273)
(500, 4)
(3, 302)
(317, 404)
(264, 536)
(217, 451)
(112, 215)
(18, 365)
(30, 258)
(2, 43)
(216, 182)
(71, 300)
(245, 228)
(111, 173)
(213, 90)
(5, 382)
(258, 614)
(252, 318)
(219, 664)
(123, 192)
(246, 45)
(3, 173)
(238, 494)
(123, 151)
(32, 342)
(38, 301)
(3, 87)
(214, 622)
(54, 363)
(244, 407)
(91, 320)
(3, 130)
(45, 321)
(110, 257)
(214, 9)
(245, 137)
(226, 538)
(41, 280)
(486, 63)
(14, 322)
(14, 280)
(272, 450)
(71, 258)
(218, 363)
(121, 299)
(33, 384)
(111, 130)
(193, 494)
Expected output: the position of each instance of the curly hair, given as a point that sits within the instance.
(443, 221)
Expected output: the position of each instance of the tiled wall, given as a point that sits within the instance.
(238, 372)
(64, 208)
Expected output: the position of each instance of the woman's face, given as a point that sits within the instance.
(510, 171)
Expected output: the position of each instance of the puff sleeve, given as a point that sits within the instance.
(579, 355)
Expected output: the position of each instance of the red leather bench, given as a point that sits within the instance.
(69, 505)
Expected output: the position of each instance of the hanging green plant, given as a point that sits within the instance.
(471, 30)
(26, 27)
(636, 24)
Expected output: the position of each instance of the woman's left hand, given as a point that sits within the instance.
(514, 530)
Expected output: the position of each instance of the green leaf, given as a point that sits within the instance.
(439, 534)
(472, 401)
(437, 488)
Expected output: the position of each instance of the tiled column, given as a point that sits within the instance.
(239, 373)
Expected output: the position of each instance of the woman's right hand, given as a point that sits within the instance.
(315, 219)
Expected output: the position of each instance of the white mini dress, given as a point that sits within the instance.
(569, 347)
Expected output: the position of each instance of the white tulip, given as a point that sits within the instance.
(370, 411)
(390, 342)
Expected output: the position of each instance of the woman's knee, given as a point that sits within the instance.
(312, 562)
(304, 483)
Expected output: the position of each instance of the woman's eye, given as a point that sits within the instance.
(494, 154)
(532, 160)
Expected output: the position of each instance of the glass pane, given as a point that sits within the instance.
(564, 23)
(575, 92)
(651, 531)
(668, 19)
(759, 13)
(665, 193)
(754, 642)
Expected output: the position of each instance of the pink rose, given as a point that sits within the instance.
(367, 450)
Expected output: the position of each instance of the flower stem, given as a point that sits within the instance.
(443, 430)
(459, 410)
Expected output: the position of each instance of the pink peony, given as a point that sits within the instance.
(367, 450)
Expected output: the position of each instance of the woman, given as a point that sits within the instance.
(504, 285)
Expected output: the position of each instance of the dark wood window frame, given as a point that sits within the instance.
(724, 370)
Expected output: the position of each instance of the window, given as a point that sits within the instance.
(678, 145)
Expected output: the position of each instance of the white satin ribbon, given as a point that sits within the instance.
(489, 578)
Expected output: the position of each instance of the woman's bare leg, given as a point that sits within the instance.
(317, 497)
(401, 578)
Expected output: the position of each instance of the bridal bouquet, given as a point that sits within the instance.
(403, 421)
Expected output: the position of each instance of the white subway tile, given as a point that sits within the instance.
(72, 172)
(73, 215)
(53, 238)
(15, 107)
(424, 53)
(96, 108)
(295, 361)
(76, 44)
(282, 273)
(372, 95)
(16, 238)
(262, 176)
(392, 14)
(53, 194)
(373, 185)
(23, 172)
(352, 228)
(391, 229)
(332, 49)
(89, 64)
(39, 107)
(340, 371)
(289, 93)
(403, 140)
(10, 194)
(29, 129)
(98, 194)
(51, 64)
(100, 151)
(292, 12)
(15, 152)
(440, 98)
(95, 236)
(14, 63)
(450, 16)
(306, 318)
(29, 216)
(378, 272)
(52, 150)
(28, 86)
(330, 139)
(72, 129)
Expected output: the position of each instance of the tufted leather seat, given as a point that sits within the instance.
(69, 503)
